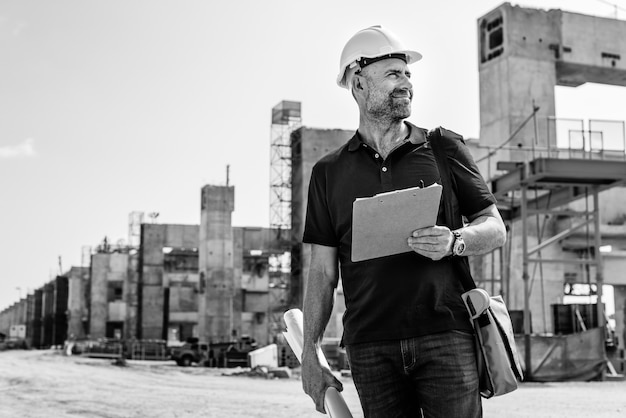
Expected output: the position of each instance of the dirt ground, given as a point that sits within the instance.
(49, 384)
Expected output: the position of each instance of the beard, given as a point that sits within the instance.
(388, 106)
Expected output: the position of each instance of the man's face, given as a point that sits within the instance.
(389, 91)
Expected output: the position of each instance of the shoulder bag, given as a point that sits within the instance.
(497, 359)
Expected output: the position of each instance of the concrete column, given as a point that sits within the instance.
(219, 316)
(517, 72)
(131, 297)
(150, 291)
(77, 281)
(98, 307)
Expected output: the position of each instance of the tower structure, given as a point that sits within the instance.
(523, 55)
(219, 314)
(286, 117)
(548, 186)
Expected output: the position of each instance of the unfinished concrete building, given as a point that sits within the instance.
(212, 281)
(559, 183)
(167, 282)
(110, 312)
(14, 317)
(154, 290)
(41, 317)
(264, 266)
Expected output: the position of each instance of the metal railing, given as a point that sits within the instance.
(563, 138)
(600, 139)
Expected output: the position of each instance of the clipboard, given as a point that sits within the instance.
(382, 224)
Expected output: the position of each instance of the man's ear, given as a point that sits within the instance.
(357, 82)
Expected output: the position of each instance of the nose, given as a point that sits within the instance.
(406, 82)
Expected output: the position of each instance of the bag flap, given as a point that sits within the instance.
(503, 321)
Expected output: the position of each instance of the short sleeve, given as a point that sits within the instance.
(472, 191)
(318, 226)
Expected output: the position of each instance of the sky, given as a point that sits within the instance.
(110, 107)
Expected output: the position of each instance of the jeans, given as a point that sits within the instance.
(430, 376)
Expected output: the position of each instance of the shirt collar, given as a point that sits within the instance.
(416, 136)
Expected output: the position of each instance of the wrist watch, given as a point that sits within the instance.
(458, 247)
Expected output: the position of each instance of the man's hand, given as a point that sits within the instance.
(434, 242)
(316, 379)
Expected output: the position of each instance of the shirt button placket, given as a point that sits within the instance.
(385, 177)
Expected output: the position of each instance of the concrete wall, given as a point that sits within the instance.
(264, 292)
(615, 267)
(183, 306)
(152, 318)
(592, 49)
(105, 268)
(547, 283)
(155, 296)
(612, 206)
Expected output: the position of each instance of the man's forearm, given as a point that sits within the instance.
(482, 236)
(318, 306)
(484, 233)
(320, 293)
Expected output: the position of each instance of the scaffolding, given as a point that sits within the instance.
(286, 117)
(279, 269)
(580, 167)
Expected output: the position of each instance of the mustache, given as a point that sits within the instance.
(402, 92)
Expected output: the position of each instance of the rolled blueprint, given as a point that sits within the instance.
(333, 401)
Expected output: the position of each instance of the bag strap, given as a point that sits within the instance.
(453, 219)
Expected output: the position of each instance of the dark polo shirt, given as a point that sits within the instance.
(404, 295)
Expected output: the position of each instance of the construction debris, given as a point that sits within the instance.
(263, 372)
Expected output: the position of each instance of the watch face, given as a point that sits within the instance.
(459, 244)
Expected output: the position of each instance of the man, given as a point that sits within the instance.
(407, 335)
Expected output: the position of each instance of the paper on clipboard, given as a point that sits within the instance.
(382, 224)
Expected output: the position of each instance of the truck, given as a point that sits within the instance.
(222, 354)
(190, 352)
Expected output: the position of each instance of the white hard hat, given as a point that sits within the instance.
(374, 42)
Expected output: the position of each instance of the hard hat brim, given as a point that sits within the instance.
(411, 57)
